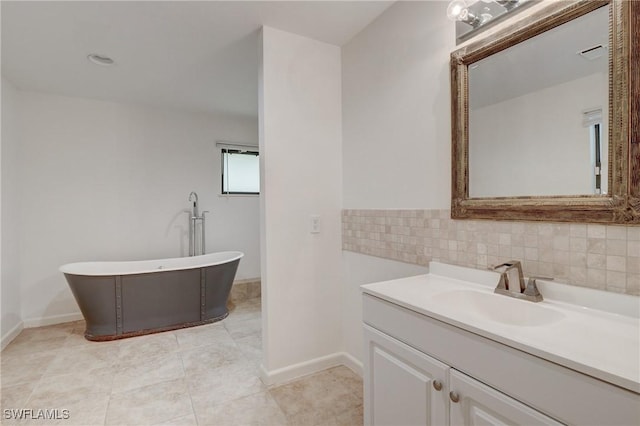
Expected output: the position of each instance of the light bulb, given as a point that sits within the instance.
(455, 9)
(485, 17)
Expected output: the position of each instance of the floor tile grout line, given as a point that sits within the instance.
(106, 411)
(193, 408)
(284, 413)
(39, 381)
(231, 400)
(244, 357)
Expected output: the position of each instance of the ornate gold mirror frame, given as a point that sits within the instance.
(622, 204)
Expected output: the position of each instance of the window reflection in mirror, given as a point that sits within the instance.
(538, 114)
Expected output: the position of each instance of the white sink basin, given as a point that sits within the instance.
(594, 332)
(502, 309)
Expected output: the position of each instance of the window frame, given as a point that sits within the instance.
(225, 150)
(595, 134)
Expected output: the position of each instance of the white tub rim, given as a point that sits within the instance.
(134, 267)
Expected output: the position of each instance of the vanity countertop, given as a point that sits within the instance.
(604, 344)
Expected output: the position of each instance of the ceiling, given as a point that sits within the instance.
(194, 55)
(546, 60)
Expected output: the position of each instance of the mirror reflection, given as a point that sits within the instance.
(538, 114)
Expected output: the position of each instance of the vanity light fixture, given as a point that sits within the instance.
(100, 59)
(477, 13)
(458, 11)
(508, 4)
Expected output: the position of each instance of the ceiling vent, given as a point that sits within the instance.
(593, 52)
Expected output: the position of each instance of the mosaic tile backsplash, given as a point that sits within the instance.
(605, 257)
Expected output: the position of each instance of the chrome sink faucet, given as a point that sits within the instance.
(510, 273)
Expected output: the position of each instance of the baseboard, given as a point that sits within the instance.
(10, 335)
(247, 280)
(286, 374)
(352, 364)
(51, 320)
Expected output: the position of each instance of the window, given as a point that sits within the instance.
(596, 156)
(592, 119)
(240, 171)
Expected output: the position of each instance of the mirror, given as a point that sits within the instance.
(544, 132)
(541, 118)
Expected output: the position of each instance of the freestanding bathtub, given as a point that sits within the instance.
(125, 299)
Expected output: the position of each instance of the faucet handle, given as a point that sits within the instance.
(532, 289)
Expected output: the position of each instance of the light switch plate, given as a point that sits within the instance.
(315, 223)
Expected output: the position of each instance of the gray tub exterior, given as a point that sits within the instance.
(119, 306)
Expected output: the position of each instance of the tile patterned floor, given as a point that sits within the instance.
(205, 375)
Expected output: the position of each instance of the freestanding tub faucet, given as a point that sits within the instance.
(196, 249)
(194, 197)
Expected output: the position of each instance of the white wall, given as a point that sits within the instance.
(548, 149)
(396, 132)
(10, 286)
(108, 181)
(360, 269)
(300, 144)
(396, 109)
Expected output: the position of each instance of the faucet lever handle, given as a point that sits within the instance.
(532, 289)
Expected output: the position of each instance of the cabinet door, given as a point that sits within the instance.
(402, 387)
(480, 405)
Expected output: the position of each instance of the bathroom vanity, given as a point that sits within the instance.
(443, 349)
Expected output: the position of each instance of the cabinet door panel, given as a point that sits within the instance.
(481, 405)
(399, 388)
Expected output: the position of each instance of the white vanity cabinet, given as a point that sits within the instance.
(478, 404)
(420, 370)
(403, 386)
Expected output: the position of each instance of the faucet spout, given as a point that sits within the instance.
(512, 272)
(196, 222)
(194, 198)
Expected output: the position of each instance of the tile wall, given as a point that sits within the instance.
(605, 257)
(243, 290)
